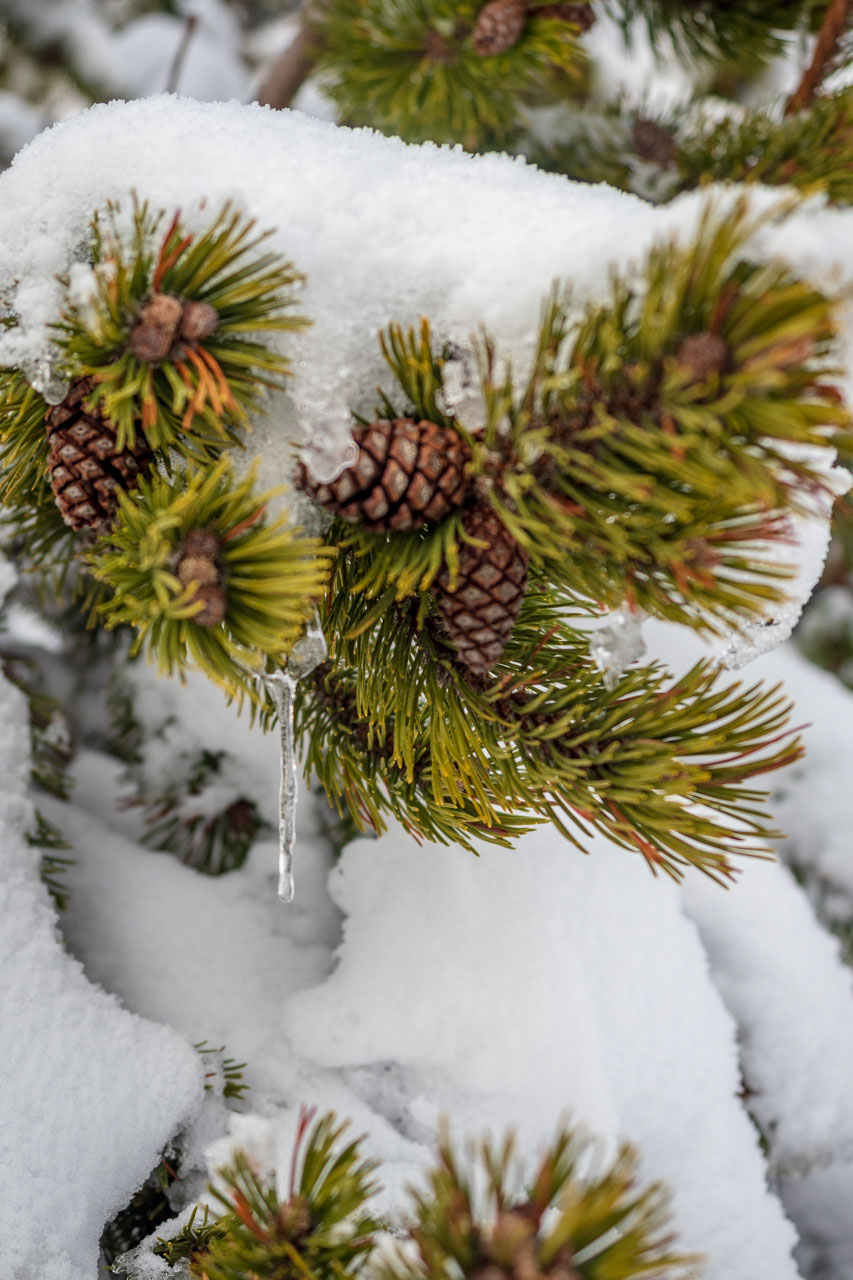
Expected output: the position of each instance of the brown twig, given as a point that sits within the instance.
(177, 66)
(834, 25)
(292, 66)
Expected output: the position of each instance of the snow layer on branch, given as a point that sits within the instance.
(91, 1093)
(384, 231)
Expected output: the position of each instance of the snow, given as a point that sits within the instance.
(91, 1093)
(482, 250)
(402, 982)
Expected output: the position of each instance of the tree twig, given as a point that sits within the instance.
(174, 78)
(834, 25)
(291, 68)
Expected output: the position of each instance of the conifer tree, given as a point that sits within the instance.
(419, 625)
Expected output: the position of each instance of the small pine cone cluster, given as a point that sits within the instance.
(498, 27)
(166, 326)
(198, 561)
(483, 607)
(85, 467)
(405, 474)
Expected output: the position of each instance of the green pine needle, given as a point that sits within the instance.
(197, 399)
(743, 33)
(394, 727)
(271, 574)
(475, 1218)
(408, 67)
(322, 1230)
(659, 156)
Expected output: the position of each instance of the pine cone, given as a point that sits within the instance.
(498, 27)
(480, 614)
(198, 562)
(84, 465)
(703, 354)
(405, 474)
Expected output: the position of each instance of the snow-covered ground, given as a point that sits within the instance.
(408, 982)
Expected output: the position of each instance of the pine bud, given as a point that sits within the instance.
(197, 562)
(155, 330)
(215, 606)
(199, 321)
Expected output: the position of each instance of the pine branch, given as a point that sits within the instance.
(657, 157)
(195, 567)
(743, 33)
(53, 866)
(476, 1220)
(294, 64)
(166, 331)
(835, 23)
(659, 443)
(397, 728)
(323, 1228)
(411, 68)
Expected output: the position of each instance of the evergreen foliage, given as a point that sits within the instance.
(474, 1221)
(226, 1074)
(629, 472)
(409, 67)
(658, 156)
(178, 821)
(404, 733)
(53, 865)
(270, 574)
(743, 32)
(148, 1209)
(322, 1229)
(197, 395)
(152, 1205)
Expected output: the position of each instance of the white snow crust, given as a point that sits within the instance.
(384, 232)
(403, 982)
(90, 1092)
(510, 988)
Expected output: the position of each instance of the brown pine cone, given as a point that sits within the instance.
(498, 27)
(198, 562)
(703, 354)
(406, 473)
(480, 613)
(84, 465)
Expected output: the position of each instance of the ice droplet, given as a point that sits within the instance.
(305, 655)
(617, 644)
(44, 377)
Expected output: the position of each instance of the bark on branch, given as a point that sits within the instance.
(834, 25)
(292, 66)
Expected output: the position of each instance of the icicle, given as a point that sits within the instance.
(306, 654)
(617, 644)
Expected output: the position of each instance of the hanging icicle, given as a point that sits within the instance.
(280, 686)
